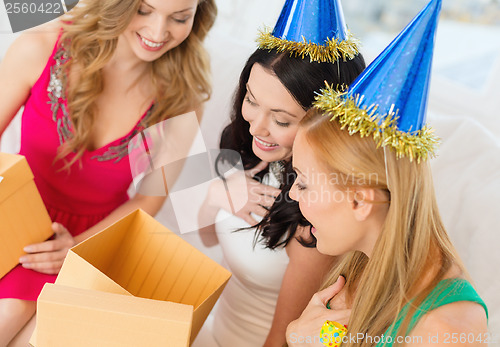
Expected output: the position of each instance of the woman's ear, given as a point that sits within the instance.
(361, 203)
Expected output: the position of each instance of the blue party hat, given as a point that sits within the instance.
(313, 28)
(389, 99)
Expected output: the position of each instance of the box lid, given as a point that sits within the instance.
(14, 173)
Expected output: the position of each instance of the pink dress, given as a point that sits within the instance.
(78, 198)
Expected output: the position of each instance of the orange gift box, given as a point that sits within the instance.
(23, 217)
(134, 260)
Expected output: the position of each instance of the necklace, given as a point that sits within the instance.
(277, 168)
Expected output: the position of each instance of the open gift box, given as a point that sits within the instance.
(23, 217)
(134, 260)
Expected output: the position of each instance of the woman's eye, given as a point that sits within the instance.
(142, 13)
(181, 21)
(300, 186)
(284, 125)
(281, 124)
(247, 99)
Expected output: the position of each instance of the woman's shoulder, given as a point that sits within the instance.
(30, 52)
(463, 315)
(460, 320)
(45, 34)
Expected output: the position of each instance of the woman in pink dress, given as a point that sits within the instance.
(88, 84)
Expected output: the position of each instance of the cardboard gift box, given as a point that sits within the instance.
(81, 317)
(23, 217)
(135, 258)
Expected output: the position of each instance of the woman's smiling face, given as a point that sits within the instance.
(324, 204)
(273, 115)
(159, 26)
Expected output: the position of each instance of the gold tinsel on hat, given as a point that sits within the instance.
(417, 145)
(330, 51)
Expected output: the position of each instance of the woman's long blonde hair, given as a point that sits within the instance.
(181, 77)
(412, 241)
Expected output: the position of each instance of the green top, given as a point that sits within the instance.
(445, 292)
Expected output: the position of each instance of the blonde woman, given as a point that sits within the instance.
(396, 248)
(365, 185)
(88, 84)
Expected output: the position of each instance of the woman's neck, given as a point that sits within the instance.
(435, 268)
(124, 61)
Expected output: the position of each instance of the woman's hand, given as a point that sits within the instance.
(47, 257)
(306, 329)
(248, 198)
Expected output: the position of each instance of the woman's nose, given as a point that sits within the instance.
(159, 30)
(293, 191)
(258, 127)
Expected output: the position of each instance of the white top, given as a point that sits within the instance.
(245, 310)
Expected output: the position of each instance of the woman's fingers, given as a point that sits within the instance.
(59, 229)
(257, 168)
(322, 297)
(259, 210)
(247, 218)
(340, 316)
(49, 268)
(47, 246)
(309, 324)
(262, 200)
(254, 198)
(43, 257)
(316, 314)
(266, 190)
(261, 188)
(47, 262)
(47, 257)
(62, 239)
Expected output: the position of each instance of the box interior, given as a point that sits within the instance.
(149, 261)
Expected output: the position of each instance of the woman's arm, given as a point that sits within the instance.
(206, 218)
(303, 277)
(460, 323)
(21, 67)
